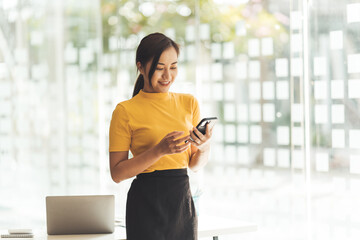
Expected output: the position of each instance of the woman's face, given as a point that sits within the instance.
(165, 72)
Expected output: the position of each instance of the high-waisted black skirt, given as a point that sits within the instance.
(160, 207)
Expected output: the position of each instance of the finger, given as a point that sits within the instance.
(180, 140)
(192, 136)
(211, 129)
(175, 133)
(194, 143)
(183, 147)
(194, 139)
(208, 131)
(200, 135)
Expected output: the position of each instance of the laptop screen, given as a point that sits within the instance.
(80, 214)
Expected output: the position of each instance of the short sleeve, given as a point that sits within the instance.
(195, 112)
(119, 132)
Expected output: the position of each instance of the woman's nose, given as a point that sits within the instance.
(166, 75)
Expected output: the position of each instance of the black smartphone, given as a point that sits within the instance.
(205, 121)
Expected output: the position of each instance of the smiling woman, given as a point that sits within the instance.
(165, 72)
(156, 59)
(157, 127)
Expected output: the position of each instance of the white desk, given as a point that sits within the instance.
(214, 227)
(208, 227)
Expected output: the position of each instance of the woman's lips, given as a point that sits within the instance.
(164, 83)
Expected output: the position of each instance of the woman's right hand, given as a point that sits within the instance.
(170, 145)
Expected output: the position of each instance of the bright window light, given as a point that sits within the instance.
(243, 153)
(241, 70)
(353, 63)
(337, 89)
(283, 158)
(354, 88)
(319, 66)
(254, 47)
(337, 113)
(297, 112)
(255, 90)
(295, 20)
(282, 90)
(268, 90)
(321, 114)
(190, 52)
(355, 164)
(229, 112)
(255, 134)
(230, 154)
(354, 138)
(283, 135)
(352, 12)
(229, 50)
(338, 138)
(255, 112)
(230, 91)
(267, 46)
(336, 40)
(297, 136)
(322, 162)
(242, 134)
(147, 8)
(242, 113)
(320, 89)
(269, 112)
(216, 51)
(282, 67)
(296, 43)
(204, 31)
(217, 90)
(298, 159)
(296, 67)
(217, 71)
(254, 69)
(269, 157)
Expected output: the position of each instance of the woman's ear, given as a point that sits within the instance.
(140, 68)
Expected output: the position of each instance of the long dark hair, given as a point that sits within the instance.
(151, 47)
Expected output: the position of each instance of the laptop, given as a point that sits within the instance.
(80, 214)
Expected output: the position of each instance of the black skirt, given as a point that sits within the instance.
(160, 207)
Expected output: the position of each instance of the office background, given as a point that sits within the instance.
(282, 76)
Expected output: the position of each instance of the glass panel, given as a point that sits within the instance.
(338, 138)
(254, 47)
(322, 162)
(282, 67)
(268, 90)
(337, 89)
(353, 63)
(352, 11)
(267, 48)
(336, 40)
(259, 66)
(269, 157)
(269, 112)
(283, 135)
(242, 134)
(255, 134)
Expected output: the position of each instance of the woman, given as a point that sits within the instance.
(156, 126)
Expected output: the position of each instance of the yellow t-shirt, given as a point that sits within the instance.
(144, 120)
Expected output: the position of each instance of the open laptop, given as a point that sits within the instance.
(80, 214)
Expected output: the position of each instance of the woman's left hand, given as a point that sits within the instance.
(202, 142)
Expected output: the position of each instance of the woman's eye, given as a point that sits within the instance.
(160, 69)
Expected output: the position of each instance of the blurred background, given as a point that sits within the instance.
(283, 77)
